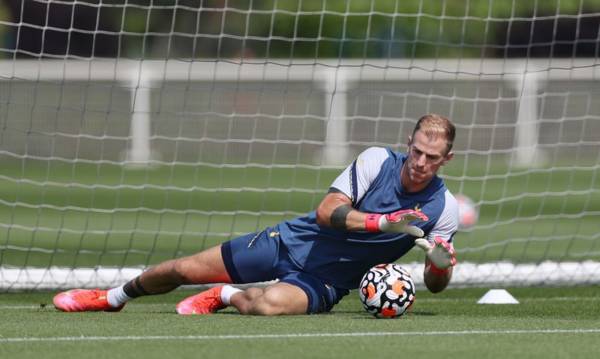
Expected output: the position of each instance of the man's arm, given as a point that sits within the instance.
(336, 211)
(439, 261)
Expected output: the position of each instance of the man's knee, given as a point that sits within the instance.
(203, 267)
(180, 270)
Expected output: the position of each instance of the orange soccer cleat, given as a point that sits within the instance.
(84, 300)
(205, 302)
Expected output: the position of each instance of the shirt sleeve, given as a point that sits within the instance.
(447, 224)
(356, 179)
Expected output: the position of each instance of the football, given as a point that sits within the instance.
(467, 212)
(387, 291)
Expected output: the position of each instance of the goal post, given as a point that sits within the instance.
(190, 134)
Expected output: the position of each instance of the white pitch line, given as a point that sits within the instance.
(296, 335)
(9, 307)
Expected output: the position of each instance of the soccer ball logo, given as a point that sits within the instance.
(467, 212)
(387, 291)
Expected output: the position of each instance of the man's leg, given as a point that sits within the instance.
(200, 268)
(203, 267)
(276, 299)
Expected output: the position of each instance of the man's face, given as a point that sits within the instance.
(425, 157)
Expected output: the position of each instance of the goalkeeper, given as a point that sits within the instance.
(380, 206)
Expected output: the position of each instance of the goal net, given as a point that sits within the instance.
(134, 132)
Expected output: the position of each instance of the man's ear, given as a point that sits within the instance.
(448, 157)
(409, 140)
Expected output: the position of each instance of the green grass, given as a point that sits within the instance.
(549, 323)
(102, 214)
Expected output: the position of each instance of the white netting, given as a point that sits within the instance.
(134, 132)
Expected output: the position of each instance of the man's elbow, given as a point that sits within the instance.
(326, 211)
(323, 217)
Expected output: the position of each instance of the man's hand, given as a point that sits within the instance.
(440, 253)
(396, 222)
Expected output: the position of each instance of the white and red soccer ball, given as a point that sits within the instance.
(467, 212)
(387, 291)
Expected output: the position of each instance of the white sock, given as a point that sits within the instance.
(227, 292)
(117, 297)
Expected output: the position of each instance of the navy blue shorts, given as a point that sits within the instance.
(259, 257)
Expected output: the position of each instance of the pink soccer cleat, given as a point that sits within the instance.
(84, 300)
(206, 302)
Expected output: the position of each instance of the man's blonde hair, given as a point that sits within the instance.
(434, 125)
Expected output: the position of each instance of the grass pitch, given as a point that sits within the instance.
(548, 323)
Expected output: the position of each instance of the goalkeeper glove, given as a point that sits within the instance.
(440, 254)
(396, 222)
